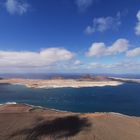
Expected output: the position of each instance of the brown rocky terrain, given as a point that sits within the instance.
(23, 122)
(89, 77)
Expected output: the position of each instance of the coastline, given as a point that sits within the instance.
(61, 111)
(126, 79)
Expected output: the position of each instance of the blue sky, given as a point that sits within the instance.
(74, 36)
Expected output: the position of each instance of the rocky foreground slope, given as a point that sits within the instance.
(23, 122)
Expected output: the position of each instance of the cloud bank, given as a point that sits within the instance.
(133, 52)
(30, 59)
(127, 66)
(100, 49)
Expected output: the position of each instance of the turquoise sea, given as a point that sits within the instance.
(121, 99)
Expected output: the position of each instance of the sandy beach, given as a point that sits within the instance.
(23, 122)
(60, 83)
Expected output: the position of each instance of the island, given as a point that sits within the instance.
(60, 82)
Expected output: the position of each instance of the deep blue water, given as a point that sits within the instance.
(122, 99)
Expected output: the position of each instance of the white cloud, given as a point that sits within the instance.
(102, 24)
(137, 28)
(134, 52)
(100, 49)
(83, 4)
(97, 49)
(118, 67)
(77, 62)
(46, 57)
(16, 6)
(127, 66)
(94, 65)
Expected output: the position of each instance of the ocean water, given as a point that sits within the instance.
(66, 76)
(121, 99)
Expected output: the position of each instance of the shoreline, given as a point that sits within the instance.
(61, 111)
(36, 106)
(64, 111)
(128, 80)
